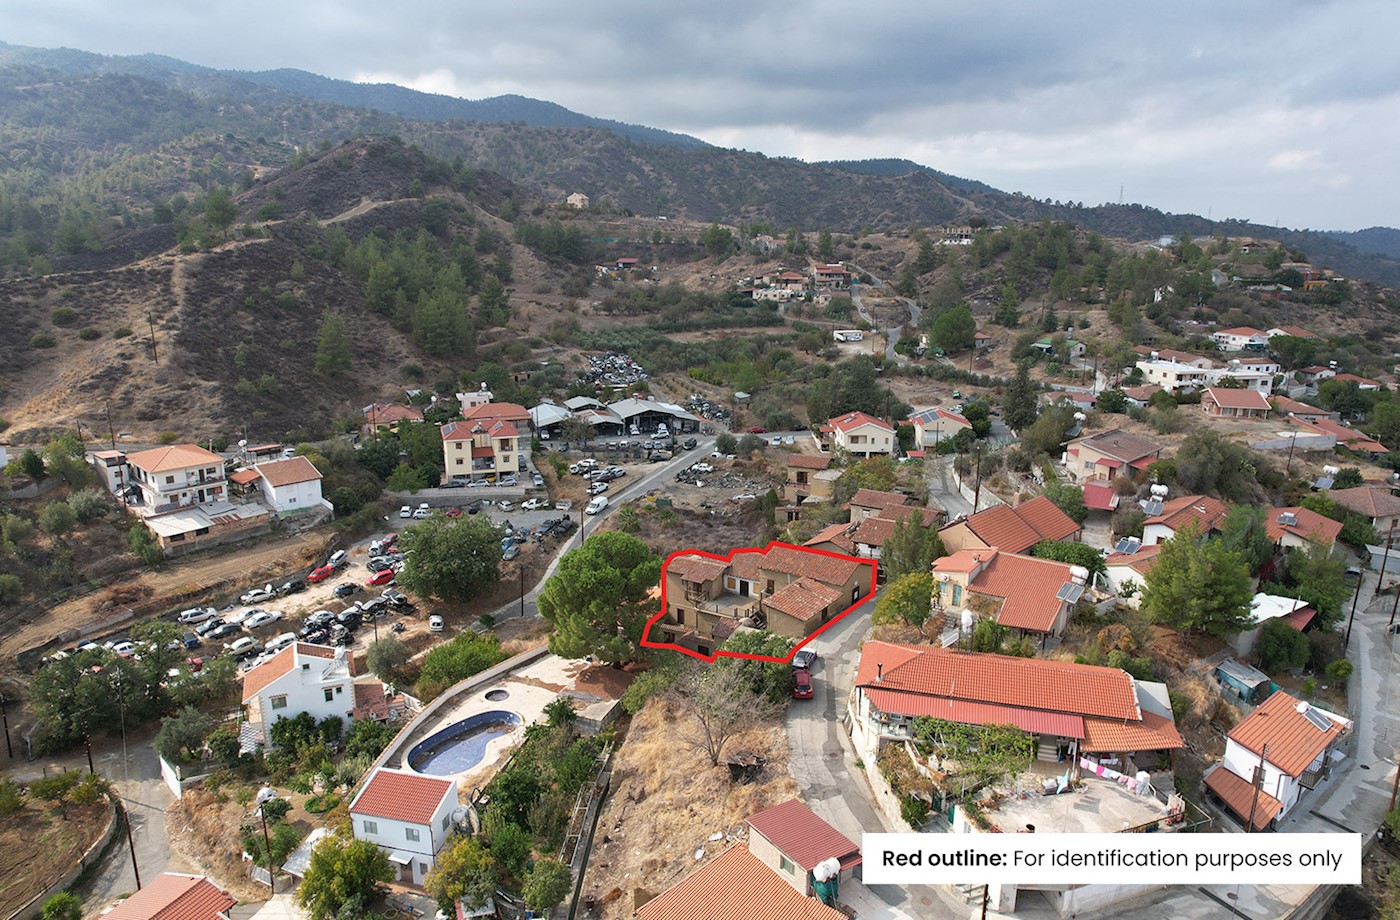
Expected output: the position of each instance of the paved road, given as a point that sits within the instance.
(893, 333)
(942, 489)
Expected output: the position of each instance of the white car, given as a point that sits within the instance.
(596, 505)
(776, 441)
(280, 642)
(406, 511)
(422, 513)
(125, 648)
(258, 595)
(261, 618)
(789, 440)
(435, 623)
(244, 645)
(337, 559)
(196, 614)
(534, 504)
(598, 488)
(506, 506)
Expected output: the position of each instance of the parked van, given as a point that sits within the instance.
(598, 503)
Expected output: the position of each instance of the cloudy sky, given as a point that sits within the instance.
(1286, 111)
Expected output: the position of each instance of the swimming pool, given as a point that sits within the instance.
(462, 745)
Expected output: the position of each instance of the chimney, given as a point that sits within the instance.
(879, 671)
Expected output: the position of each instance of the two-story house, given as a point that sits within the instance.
(867, 503)
(1173, 356)
(1297, 332)
(1032, 596)
(1301, 528)
(789, 590)
(408, 816)
(480, 449)
(168, 478)
(934, 425)
(319, 679)
(1241, 338)
(1073, 710)
(831, 277)
(1174, 377)
(859, 434)
(1108, 454)
(1273, 756)
(801, 482)
(1010, 529)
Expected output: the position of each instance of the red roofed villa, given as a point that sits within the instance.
(1032, 596)
(408, 816)
(174, 896)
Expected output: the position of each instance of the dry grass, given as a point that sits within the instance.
(666, 803)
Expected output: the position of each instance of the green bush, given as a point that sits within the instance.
(10, 799)
(1340, 670)
(913, 810)
(63, 316)
(89, 334)
(41, 340)
(121, 332)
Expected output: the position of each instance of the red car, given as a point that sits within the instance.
(758, 429)
(321, 574)
(383, 577)
(389, 539)
(801, 684)
(453, 512)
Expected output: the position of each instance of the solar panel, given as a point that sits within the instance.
(1324, 482)
(1122, 545)
(1070, 593)
(1151, 507)
(1319, 721)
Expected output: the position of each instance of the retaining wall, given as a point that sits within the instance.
(93, 853)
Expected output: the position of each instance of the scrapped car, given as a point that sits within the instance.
(382, 577)
(321, 574)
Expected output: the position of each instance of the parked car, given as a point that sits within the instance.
(596, 505)
(435, 623)
(261, 618)
(598, 488)
(512, 552)
(382, 577)
(190, 641)
(244, 648)
(320, 618)
(789, 440)
(397, 599)
(208, 627)
(804, 659)
(291, 586)
(690, 444)
(346, 588)
(125, 648)
(758, 429)
(321, 574)
(258, 595)
(801, 684)
(537, 479)
(455, 484)
(406, 511)
(422, 513)
(475, 506)
(507, 481)
(277, 643)
(350, 619)
(196, 615)
(338, 559)
(534, 504)
(506, 506)
(453, 512)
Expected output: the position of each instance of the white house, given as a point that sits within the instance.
(318, 679)
(408, 816)
(860, 434)
(1241, 338)
(1299, 737)
(1125, 573)
(177, 476)
(290, 485)
(934, 425)
(1173, 376)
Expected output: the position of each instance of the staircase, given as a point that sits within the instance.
(1047, 751)
(971, 894)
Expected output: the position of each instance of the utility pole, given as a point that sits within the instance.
(111, 432)
(1288, 470)
(1390, 535)
(977, 489)
(1346, 642)
(5, 714)
(522, 590)
(131, 844)
(151, 319)
(1257, 784)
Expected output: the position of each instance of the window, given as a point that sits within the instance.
(330, 694)
(446, 820)
(769, 590)
(422, 868)
(412, 834)
(459, 462)
(680, 616)
(785, 864)
(170, 480)
(371, 827)
(339, 690)
(279, 702)
(176, 537)
(957, 595)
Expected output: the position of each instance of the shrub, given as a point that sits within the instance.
(10, 799)
(1340, 670)
(89, 334)
(169, 437)
(913, 810)
(63, 316)
(121, 332)
(41, 340)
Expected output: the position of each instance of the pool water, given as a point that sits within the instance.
(461, 746)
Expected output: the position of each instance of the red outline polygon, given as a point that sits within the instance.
(710, 659)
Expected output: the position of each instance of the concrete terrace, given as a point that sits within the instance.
(1100, 806)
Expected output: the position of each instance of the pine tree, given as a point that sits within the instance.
(1019, 403)
(333, 354)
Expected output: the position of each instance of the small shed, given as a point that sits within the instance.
(1248, 684)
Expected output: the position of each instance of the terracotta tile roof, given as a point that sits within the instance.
(1176, 513)
(280, 665)
(1240, 330)
(1241, 797)
(1142, 393)
(808, 462)
(696, 568)
(456, 431)
(387, 414)
(402, 796)
(1031, 683)
(1153, 733)
(371, 702)
(874, 531)
(174, 457)
(1141, 561)
(1099, 496)
(244, 477)
(503, 429)
(791, 560)
(491, 411)
(174, 896)
(803, 837)
(1348, 436)
(1307, 525)
(1294, 741)
(1227, 398)
(852, 420)
(1292, 407)
(289, 472)
(836, 535)
(1027, 587)
(968, 712)
(734, 886)
(1017, 529)
(1120, 445)
(1359, 381)
(964, 560)
(1368, 500)
(874, 498)
(804, 598)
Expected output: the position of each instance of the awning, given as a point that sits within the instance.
(1240, 797)
(1142, 463)
(401, 857)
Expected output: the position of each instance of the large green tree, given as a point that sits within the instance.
(599, 599)
(906, 599)
(547, 885)
(1019, 405)
(772, 679)
(953, 330)
(910, 547)
(333, 354)
(454, 559)
(1069, 498)
(1199, 585)
(340, 872)
(1245, 532)
(1318, 576)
